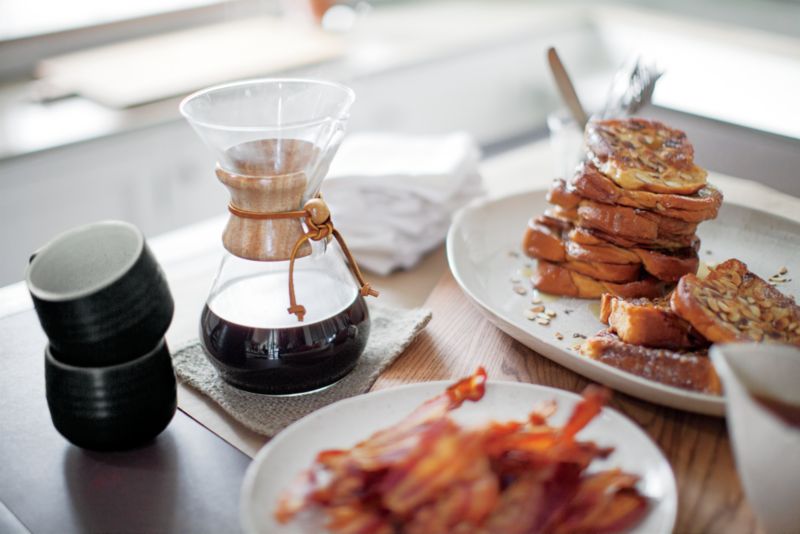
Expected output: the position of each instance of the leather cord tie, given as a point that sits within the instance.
(317, 217)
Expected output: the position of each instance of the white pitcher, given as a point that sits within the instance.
(766, 446)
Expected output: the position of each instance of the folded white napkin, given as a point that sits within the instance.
(392, 196)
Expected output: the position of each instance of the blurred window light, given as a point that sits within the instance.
(21, 19)
(733, 74)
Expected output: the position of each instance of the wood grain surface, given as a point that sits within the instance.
(459, 338)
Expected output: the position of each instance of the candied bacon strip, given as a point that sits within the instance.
(623, 511)
(295, 497)
(466, 502)
(519, 505)
(540, 415)
(557, 444)
(388, 445)
(454, 458)
(594, 398)
(356, 519)
(605, 502)
(376, 452)
(471, 388)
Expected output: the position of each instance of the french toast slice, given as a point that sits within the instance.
(588, 182)
(606, 253)
(614, 218)
(666, 264)
(547, 219)
(606, 272)
(548, 239)
(583, 235)
(640, 154)
(545, 243)
(635, 224)
(541, 241)
(669, 265)
(563, 214)
(555, 278)
(733, 304)
(625, 227)
(560, 195)
(691, 370)
(648, 322)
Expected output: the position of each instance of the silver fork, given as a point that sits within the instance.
(632, 88)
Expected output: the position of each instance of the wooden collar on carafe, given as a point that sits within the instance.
(317, 217)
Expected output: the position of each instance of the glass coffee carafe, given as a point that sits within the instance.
(286, 311)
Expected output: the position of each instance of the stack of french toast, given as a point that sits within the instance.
(623, 228)
(625, 222)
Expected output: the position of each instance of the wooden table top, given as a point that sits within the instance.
(458, 339)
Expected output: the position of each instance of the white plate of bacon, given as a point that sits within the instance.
(471, 457)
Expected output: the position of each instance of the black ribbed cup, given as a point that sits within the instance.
(100, 295)
(113, 407)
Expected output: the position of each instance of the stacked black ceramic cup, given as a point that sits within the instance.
(105, 305)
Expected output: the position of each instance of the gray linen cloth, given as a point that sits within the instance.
(392, 330)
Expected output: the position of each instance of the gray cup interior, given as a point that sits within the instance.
(84, 260)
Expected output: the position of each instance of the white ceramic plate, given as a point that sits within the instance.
(478, 250)
(347, 422)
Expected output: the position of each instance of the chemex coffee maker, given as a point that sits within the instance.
(286, 311)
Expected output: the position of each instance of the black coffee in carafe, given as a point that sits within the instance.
(287, 359)
(251, 353)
